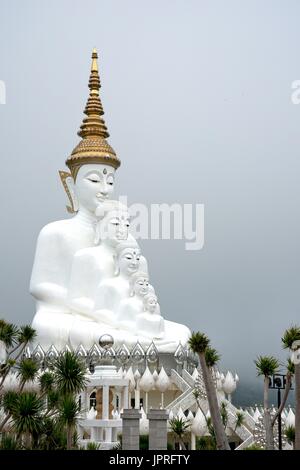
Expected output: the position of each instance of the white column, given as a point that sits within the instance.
(137, 399)
(114, 435)
(125, 399)
(193, 441)
(105, 402)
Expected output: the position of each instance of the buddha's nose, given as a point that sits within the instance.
(104, 189)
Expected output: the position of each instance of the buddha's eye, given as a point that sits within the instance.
(138, 258)
(128, 257)
(110, 183)
(93, 178)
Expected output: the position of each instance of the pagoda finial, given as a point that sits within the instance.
(93, 147)
(94, 60)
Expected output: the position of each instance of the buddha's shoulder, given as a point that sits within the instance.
(57, 229)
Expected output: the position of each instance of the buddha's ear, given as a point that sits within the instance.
(68, 184)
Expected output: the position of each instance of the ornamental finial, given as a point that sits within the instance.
(93, 148)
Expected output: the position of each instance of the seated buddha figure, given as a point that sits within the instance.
(69, 267)
(131, 306)
(113, 290)
(94, 264)
(150, 320)
(92, 166)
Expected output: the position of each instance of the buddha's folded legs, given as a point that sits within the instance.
(52, 327)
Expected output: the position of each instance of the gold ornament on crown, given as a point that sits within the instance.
(93, 148)
(64, 175)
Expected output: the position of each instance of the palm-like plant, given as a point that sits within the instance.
(240, 420)
(8, 333)
(224, 414)
(15, 340)
(68, 412)
(46, 381)
(69, 374)
(267, 366)
(26, 334)
(26, 413)
(8, 401)
(70, 379)
(27, 371)
(211, 357)
(179, 428)
(200, 344)
(290, 434)
(211, 431)
(8, 442)
(289, 338)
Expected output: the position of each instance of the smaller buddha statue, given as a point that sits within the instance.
(130, 307)
(94, 264)
(150, 322)
(112, 290)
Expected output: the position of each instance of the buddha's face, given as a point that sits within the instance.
(94, 184)
(114, 227)
(129, 261)
(141, 286)
(151, 304)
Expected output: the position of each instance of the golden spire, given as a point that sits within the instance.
(93, 148)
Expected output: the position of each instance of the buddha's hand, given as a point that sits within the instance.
(105, 316)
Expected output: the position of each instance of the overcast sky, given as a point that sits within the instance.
(197, 99)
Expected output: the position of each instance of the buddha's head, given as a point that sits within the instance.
(94, 184)
(93, 161)
(139, 283)
(128, 256)
(113, 223)
(150, 302)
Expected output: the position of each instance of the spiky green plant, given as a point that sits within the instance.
(289, 340)
(179, 428)
(26, 415)
(8, 441)
(69, 373)
(26, 334)
(200, 344)
(240, 420)
(46, 381)
(212, 357)
(267, 366)
(290, 434)
(92, 446)
(224, 414)
(68, 412)
(27, 370)
(8, 333)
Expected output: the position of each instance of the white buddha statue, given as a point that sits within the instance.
(113, 290)
(94, 264)
(150, 321)
(70, 271)
(131, 306)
